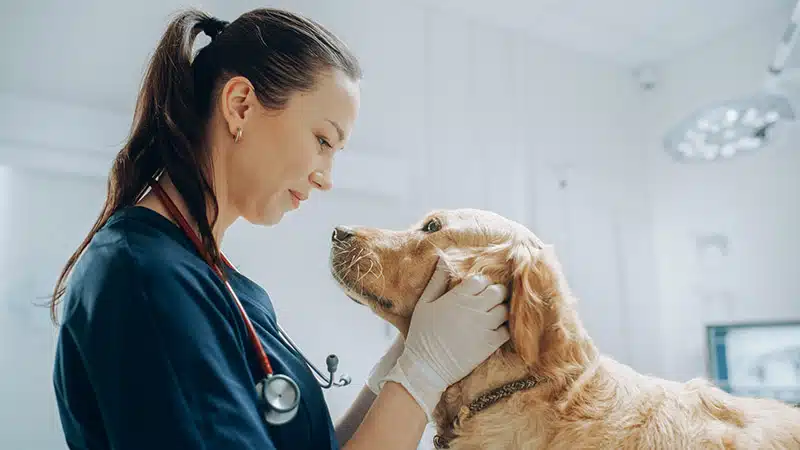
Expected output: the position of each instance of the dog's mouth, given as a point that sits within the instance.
(352, 269)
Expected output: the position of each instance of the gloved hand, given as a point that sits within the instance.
(450, 335)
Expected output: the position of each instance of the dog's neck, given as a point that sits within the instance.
(505, 370)
(549, 345)
(482, 402)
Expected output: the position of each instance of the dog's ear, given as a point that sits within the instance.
(535, 300)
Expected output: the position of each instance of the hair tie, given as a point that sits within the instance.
(213, 26)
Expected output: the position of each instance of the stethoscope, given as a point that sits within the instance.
(278, 394)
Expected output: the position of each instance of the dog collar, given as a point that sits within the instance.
(483, 401)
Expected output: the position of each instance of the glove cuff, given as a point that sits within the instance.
(384, 365)
(420, 381)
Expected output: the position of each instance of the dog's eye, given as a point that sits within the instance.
(432, 226)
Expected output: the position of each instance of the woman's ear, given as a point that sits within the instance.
(236, 102)
(534, 293)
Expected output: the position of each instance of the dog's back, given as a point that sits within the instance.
(622, 409)
(614, 407)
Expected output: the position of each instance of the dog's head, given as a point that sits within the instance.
(388, 270)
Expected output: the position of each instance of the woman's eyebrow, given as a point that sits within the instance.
(338, 129)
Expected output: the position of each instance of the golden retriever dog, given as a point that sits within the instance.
(549, 387)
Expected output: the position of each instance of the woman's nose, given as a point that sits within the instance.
(321, 180)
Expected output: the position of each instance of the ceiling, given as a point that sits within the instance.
(628, 32)
(93, 52)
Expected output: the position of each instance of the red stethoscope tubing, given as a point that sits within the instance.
(176, 214)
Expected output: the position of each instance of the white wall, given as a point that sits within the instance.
(47, 216)
(753, 200)
(455, 113)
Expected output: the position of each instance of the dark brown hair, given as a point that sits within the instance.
(279, 52)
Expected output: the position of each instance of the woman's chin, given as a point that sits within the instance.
(268, 216)
(271, 218)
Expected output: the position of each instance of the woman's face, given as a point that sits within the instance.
(283, 155)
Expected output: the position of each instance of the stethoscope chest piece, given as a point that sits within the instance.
(279, 397)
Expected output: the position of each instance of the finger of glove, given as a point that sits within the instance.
(496, 338)
(437, 285)
(473, 285)
(496, 317)
(492, 296)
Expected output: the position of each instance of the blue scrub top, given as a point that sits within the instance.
(153, 354)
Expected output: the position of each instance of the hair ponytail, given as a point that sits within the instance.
(174, 104)
(167, 132)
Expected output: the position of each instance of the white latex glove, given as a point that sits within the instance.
(385, 364)
(450, 335)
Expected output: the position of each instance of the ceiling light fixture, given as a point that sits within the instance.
(741, 125)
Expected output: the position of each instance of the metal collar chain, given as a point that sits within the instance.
(484, 401)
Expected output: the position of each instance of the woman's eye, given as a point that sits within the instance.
(323, 142)
(432, 226)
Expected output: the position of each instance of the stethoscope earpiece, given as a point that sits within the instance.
(279, 398)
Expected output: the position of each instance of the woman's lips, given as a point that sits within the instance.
(296, 198)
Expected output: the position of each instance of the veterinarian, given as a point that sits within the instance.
(162, 343)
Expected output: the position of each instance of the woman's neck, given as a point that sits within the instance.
(151, 201)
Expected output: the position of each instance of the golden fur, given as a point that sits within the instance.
(585, 400)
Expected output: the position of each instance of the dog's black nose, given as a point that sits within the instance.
(341, 234)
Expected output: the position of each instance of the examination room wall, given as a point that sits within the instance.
(749, 206)
(455, 113)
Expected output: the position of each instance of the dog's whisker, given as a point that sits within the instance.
(344, 248)
(369, 271)
(366, 273)
(358, 271)
(379, 276)
(359, 266)
(340, 264)
(344, 252)
(380, 266)
(356, 259)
